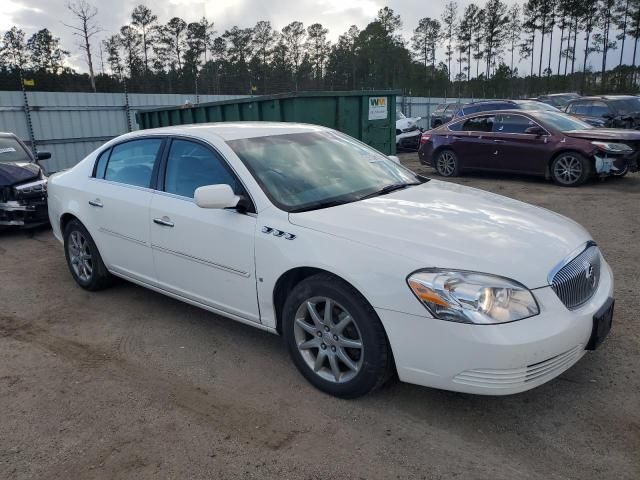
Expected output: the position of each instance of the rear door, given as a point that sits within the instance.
(474, 143)
(119, 197)
(518, 151)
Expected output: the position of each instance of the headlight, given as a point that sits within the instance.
(613, 147)
(32, 187)
(471, 297)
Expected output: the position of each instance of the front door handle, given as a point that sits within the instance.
(497, 140)
(164, 221)
(96, 203)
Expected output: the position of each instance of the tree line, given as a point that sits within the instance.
(473, 51)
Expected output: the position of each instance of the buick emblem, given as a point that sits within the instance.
(589, 274)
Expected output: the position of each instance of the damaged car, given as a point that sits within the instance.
(23, 184)
(544, 143)
(407, 132)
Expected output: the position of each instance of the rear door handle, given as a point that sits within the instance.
(96, 203)
(164, 221)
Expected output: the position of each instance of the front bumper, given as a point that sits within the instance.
(494, 359)
(409, 139)
(27, 213)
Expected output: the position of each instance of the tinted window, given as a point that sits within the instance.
(132, 162)
(12, 151)
(512, 124)
(599, 109)
(455, 126)
(479, 124)
(101, 164)
(579, 108)
(191, 165)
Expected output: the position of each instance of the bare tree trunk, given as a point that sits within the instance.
(562, 39)
(575, 41)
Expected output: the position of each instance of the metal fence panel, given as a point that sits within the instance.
(70, 125)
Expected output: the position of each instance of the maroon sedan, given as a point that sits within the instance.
(550, 144)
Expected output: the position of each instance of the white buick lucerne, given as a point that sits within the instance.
(364, 267)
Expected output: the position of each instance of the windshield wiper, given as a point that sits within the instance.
(323, 204)
(388, 189)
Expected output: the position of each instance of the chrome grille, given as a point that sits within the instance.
(576, 281)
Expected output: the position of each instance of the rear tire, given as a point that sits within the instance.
(570, 169)
(335, 338)
(83, 258)
(446, 163)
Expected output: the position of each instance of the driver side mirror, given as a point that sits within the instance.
(43, 156)
(216, 197)
(535, 130)
(395, 159)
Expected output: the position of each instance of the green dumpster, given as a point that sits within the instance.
(369, 116)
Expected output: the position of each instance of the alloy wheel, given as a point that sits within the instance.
(328, 339)
(80, 256)
(446, 164)
(568, 169)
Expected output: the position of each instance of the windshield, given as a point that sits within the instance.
(561, 121)
(12, 151)
(537, 106)
(304, 171)
(626, 106)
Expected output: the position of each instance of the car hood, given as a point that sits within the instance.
(604, 134)
(18, 172)
(440, 224)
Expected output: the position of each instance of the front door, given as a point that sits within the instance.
(518, 151)
(118, 201)
(206, 255)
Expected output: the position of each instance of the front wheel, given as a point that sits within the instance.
(570, 169)
(335, 337)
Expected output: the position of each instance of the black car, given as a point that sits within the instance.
(23, 184)
(558, 100)
(490, 105)
(610, 111)
(444, 113)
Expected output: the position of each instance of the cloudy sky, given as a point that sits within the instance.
(337, 15)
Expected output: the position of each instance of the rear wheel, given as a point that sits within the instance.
(335, 337)
(446, 164)
(83, 259)
(570, 169)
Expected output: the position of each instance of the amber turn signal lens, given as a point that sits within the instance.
(426, 294)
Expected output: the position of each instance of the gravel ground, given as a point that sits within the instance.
(127, 383)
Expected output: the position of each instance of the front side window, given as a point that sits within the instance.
(479, 124)
(191, 165)
(316, 169)
(512, 124)
(11, 150)
(599, 109)
(561, 121)
(132, 162)
(579, 109)
(626, 106)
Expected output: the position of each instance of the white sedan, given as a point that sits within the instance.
(364, 267)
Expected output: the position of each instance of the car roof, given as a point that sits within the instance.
(233, 130)
(481, 102)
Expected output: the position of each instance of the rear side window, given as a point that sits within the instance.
(131, 163)
(191, 165)
(479, 124)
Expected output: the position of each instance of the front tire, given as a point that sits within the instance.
(570, 169)
(335, 338)
(83, 258)
(447, 164)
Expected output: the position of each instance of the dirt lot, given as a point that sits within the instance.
(128, 383)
